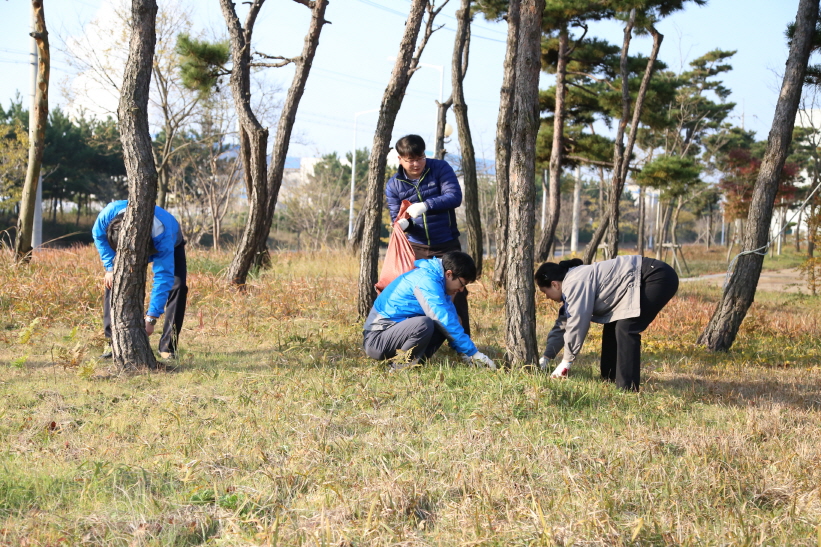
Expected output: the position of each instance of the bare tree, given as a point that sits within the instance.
(128, 337)
(503, 142)
(264, 190)
(407, 62)
(738, 295)
(461, 50)
(520, 305)
(38, 118)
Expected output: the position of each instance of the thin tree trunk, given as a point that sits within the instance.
(740, 290)
(129, 341)
(459, 67)
(520, 305)
(38, 119)
(441, 120)
(253, 139)
(621, 156)
(554, 188)
(503, 138)
(642, 223)
(391, 102)
(252, 249)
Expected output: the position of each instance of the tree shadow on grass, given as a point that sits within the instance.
(752, 392)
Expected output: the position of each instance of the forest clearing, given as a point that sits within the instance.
(273, 428)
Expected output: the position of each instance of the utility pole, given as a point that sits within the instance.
(577, 202)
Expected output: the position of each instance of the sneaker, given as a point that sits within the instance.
(168, 355)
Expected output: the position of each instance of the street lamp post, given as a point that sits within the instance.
(353, 170)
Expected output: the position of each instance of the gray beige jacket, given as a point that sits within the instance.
(601, 293)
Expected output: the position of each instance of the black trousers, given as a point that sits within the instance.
(460, 300)
(621, 340)
(418, 334)
(174, 307)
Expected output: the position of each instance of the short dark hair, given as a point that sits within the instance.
(112, 232)
(461, 264)
(411, 146)
(549, 271)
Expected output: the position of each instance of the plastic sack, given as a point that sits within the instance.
(400, 256)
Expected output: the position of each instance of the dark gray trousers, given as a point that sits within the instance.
(418, 334)
(174, 307)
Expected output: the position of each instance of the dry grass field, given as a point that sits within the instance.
(274, 429)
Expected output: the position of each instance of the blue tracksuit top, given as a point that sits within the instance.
(165, 234)
(439, 189)
(420, 292)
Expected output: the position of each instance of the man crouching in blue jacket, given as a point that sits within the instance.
(169, 291)
(415, 313)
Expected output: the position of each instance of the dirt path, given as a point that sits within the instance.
(788, 280)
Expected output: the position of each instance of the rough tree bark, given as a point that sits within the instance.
(406, 64)
(739, 293)
(441, 120)
(503, 138)
(459, 67)
(554, 185)
(38, 119)
(621, 154)
(253, 137)
(520, 304)
(252, 249)
(129, 340)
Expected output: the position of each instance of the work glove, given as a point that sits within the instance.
(479, 359)
(416, 209)
(561, 371)
(543, 363)
(405, 224)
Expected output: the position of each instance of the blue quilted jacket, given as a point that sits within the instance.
(417, 293)
(165, 235)
(439, 189)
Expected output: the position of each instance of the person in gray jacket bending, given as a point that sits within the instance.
(625, 294)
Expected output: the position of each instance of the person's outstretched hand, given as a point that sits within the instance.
(481, 360)
(561, 371)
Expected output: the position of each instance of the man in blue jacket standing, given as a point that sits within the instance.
(169, 291)
(415, 313)
(432, 188)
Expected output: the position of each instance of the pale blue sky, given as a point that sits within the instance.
(352, 68)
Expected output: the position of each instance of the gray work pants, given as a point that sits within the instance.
(418, 334)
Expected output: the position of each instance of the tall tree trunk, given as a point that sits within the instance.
(740, 290)
(621, 155)
(520, 304)
(391, 102)
(577, 203)
(252, 249)
(441, 121)
(129, 341)
(459, 67)
(253, 139)
(642, 222)
(556, 152)
(38, 119)
(503, 138)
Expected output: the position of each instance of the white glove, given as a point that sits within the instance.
(416, 209)
(404, 224)
(561, 371)
(480, 359)
(543, 363)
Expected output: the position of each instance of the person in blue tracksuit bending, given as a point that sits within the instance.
(415, 313)
(433, 189)
(167, 253)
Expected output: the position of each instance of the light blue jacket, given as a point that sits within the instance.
(420, 292)
(165, 234)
